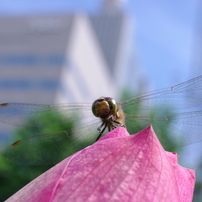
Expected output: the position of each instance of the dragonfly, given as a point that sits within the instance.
(174, 111)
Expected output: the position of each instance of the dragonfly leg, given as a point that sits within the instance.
(103, 126)
(118, 124)
(101, 131)
(100, 127)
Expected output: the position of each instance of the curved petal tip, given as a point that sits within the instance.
(127, 168)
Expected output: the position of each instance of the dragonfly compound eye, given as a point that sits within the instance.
(104, 107)
(112, 104)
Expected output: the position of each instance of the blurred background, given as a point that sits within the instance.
(76, 51)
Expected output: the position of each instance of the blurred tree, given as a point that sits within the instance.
(55, 146)
(48, 149)
(198, 185)
(140, 120)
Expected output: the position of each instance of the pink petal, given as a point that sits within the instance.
(118, 167)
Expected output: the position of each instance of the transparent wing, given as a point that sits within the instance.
(184, 95)
(158, 108)
(19, 113)
(53, 147)
(77, 120)
(183, 128)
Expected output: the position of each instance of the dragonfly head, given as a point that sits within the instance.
(103, 107)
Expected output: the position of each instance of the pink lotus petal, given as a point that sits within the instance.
(118, 167)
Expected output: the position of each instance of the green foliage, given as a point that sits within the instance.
(141, 119)
(48, 149)
(13, 177)
(197, 191)
(55, 146)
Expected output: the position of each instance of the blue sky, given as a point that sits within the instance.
(164, 33)
(164, 39)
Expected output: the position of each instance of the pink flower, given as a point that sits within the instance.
(118, 167)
